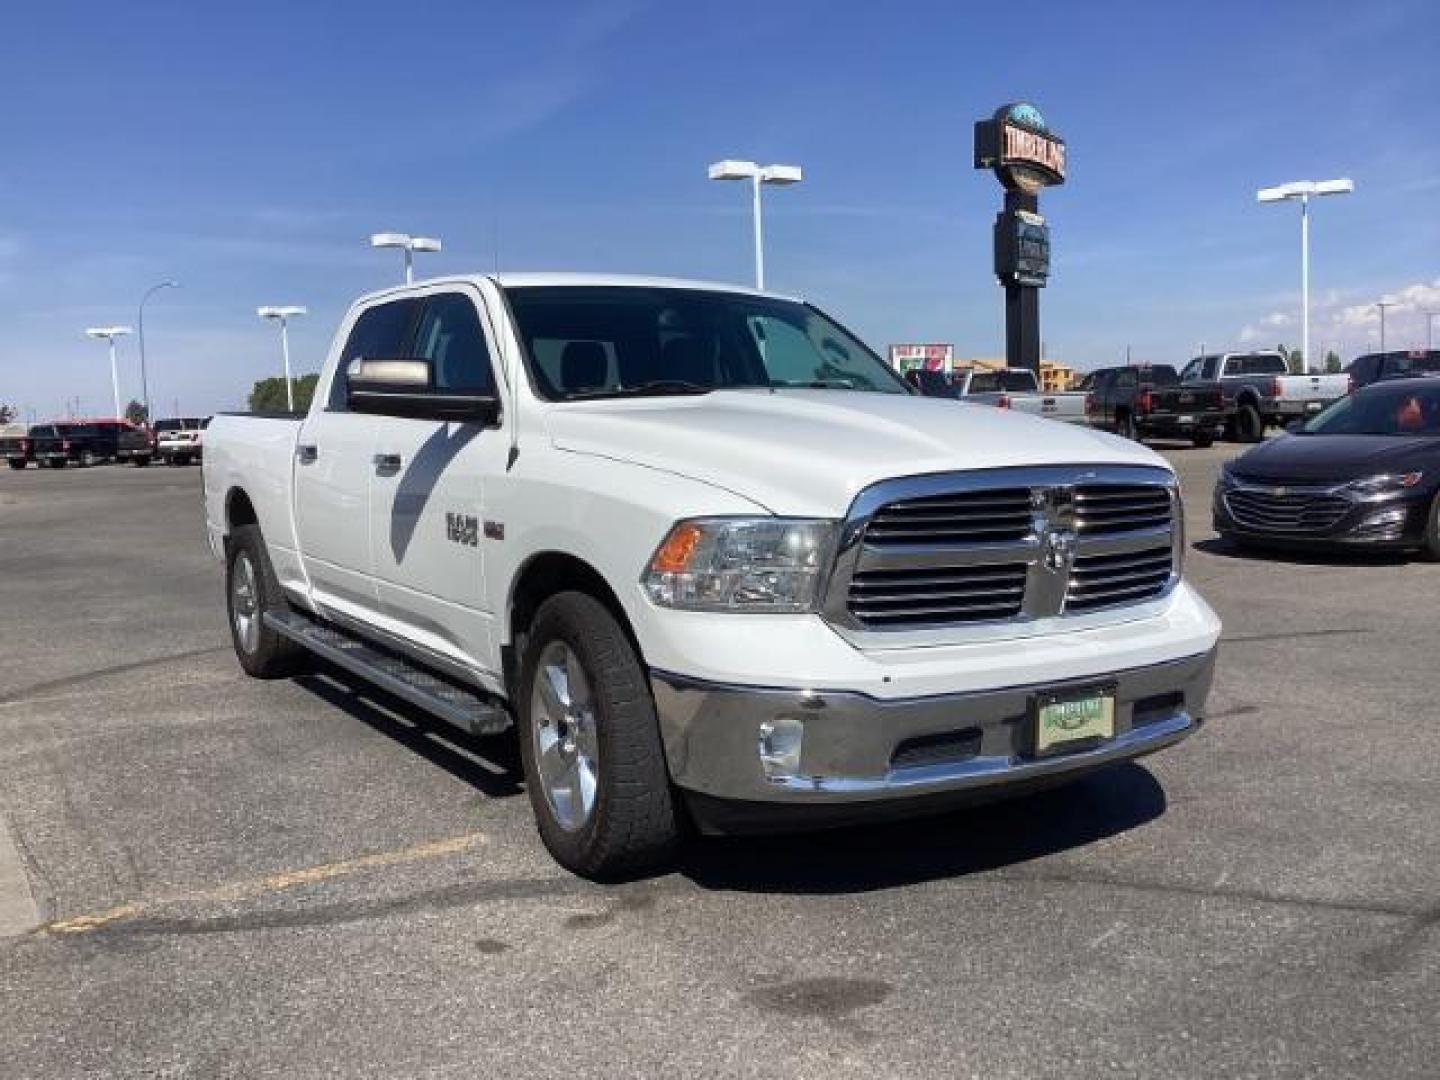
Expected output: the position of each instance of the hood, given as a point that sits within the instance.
(809, 452)
(1322, 458)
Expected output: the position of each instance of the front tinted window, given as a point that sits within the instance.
(1161, 375)
(1398, 408)
(1192, 370)
(989, 382)
(613, 340)
(451, 338)
(381, 332)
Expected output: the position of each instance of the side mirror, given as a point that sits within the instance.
(405, 386)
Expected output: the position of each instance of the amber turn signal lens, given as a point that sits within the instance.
(675, 554)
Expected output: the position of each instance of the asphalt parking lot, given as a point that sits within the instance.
(237, 878)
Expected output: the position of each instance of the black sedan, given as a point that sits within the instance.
(1363, 473)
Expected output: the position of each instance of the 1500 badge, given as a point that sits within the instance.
(463, 529)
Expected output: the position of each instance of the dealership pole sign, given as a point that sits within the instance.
(1026, 156)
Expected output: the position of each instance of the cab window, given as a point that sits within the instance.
(381, 332)
(451, 338)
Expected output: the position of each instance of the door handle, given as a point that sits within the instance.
(386, 462)
(306, 453)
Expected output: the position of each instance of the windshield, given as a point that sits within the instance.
(989, 382)
(1411, 408)
(617, 341)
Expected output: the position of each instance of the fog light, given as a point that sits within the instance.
(1383, 525)
(779, 746)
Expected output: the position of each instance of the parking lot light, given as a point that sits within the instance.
(144, 380)
(757, 175)
(283, 315)
(1380, 305)
(408, 244)
(1303, 190)
(109, 334)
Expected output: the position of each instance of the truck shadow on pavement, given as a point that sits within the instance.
(491, 765)
(960, 842)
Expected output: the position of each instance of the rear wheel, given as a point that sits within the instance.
(1125, 426)
(1249, 424)
(140, 460)
(1202, 439)
(590, 742)
(87, 459)
(252, 590)
(17, 463)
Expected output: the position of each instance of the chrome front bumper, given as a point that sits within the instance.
(861, 750)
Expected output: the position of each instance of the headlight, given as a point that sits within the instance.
(741, 564)
(1385, 484)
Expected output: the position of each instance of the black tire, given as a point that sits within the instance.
(634, 825)
(140, 461)
(1430, 551)
(16, 463)
(58, 463)
(88, 459)
(1203, 439)
(1125, 427)
(1249, 424)
(263, 654)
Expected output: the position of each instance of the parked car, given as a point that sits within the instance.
(1019, 389)
(15, 445)
(711, 557)
(1260, 392)
(1149, 401)
(89, 442)
(1364, 370)
(1364, 473)
(180, 440)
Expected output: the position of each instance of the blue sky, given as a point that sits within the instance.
(249, 149)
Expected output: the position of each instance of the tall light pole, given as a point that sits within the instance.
(283, 315)
(1383, 303)
(757, 175)
(109, 334)
(1430, 329)
(408, 244)
(1303, 190)
(144, 381)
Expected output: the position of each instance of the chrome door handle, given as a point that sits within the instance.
(386, 462)
(307, 453)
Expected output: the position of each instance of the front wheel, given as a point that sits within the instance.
(140, 461)
(17, 463)
(87, 459)
(1430, 549)
(590, 743)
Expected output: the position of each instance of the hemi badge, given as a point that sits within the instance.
(494, 530)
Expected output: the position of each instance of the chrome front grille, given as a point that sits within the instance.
(964, 594)
(965, 517)
(943, 551)
(1103, 508)
(1099, 581)
(1287, 510)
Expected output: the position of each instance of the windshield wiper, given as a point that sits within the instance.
(653, 388)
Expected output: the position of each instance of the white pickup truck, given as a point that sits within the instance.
(1019, 389)
(710, 556)
(1260, 392)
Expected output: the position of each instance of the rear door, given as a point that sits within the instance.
(332, 469)
(428, 492)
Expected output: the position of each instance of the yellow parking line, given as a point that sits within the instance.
(271, 883)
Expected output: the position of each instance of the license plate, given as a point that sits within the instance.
(1063, 720)
(1187, 399)
(1187, 419)
(1312, 406)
